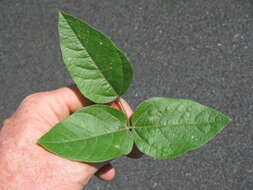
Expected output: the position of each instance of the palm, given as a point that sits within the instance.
(30, 164)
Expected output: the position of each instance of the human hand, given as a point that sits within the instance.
(26, 165)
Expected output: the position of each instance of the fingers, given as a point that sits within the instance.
(106, 173)
(54, 106)
(70, 98)
(64, 101)
(102, 170)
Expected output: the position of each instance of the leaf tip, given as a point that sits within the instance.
(228, 119)
(225, 119)
(61, 14)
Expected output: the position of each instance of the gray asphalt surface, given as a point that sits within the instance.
(196, 49)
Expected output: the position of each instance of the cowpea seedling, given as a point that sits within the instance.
(160, 127)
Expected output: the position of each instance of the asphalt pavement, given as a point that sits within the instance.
(195, 49)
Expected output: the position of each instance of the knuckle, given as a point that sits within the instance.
(32, 97)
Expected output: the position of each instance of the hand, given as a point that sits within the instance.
(25, 165)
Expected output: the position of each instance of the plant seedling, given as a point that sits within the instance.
(160, 127)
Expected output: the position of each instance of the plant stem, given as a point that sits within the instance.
(119, 100)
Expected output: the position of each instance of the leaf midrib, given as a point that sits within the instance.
(175, 125)
(90, 56)
(133, 127)
(81, 139)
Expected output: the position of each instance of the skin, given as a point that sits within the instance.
(25, 165)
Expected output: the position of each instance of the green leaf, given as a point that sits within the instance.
(99, 69)
(167, 127)
(93, 134)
